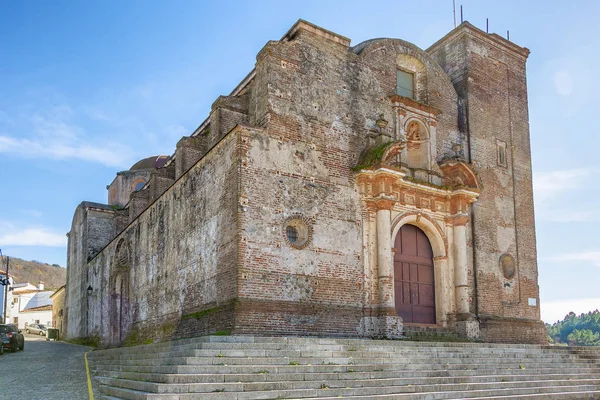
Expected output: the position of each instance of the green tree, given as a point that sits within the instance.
(576, 330)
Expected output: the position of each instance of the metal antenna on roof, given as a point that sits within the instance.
(507, 35)
(454, 11)
(461, 14)
(487, 25)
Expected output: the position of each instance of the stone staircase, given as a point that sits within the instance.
(247, 368)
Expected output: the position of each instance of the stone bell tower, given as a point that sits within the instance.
(489, 75)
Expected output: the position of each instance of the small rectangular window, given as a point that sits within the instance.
(405, 83)
(501, 153)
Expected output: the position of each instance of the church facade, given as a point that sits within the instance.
(337, 191)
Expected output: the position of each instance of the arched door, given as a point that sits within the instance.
(413, 276)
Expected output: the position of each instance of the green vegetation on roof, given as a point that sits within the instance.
(372, 156)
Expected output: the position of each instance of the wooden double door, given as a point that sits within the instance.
(414, 283)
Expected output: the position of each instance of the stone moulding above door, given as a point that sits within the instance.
(393, 187)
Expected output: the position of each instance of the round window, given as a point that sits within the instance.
(297, 232)
(508, 266)
(139, 186)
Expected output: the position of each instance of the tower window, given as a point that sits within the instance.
(405, 83)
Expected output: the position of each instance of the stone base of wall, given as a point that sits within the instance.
(389, 327)
(218, 319)
(468, 329)
(292, 318)
(512, 330)
(210, 321)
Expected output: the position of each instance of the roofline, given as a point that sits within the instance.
(467, 27)
(47, 307)
(63, 287)
(310, 27)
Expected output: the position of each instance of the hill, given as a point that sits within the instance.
(53, 276)
(582, 330)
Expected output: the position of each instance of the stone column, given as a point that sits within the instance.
(385, 274)
(461, 272)
(466, 324)
(390, 325)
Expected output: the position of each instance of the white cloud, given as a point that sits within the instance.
(592, 257)
(53, 134)
(546, 185)
(110, 154)
(33, 237)
(556, 310)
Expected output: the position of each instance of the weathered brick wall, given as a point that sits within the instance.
(210, 253)
(384, 56)
(180, 257)
(92, 228)
(302, 166)
(58, 311)
(322, 102)
(490, 75)
(124, 183)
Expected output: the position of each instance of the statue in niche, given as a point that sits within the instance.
(413, 131)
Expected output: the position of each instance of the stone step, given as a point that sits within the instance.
(391, 384)
(324, 341)
(422, 377)
(415, 361)
(289, 369)
(547, 396)
(253, 368)
(405, 393)
(399, 348)
(357, 353)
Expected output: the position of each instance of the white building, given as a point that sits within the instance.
(28, 304)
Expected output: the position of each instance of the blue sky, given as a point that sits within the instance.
(88, 88)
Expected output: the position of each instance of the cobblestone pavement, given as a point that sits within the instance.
(44, 371)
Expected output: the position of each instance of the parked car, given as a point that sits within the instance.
(11, 337)
(36, 329)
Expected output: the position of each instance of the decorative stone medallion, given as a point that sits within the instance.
(508, 266)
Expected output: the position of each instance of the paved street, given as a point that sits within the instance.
(44, 371)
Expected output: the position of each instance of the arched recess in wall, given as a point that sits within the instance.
(417, 145)
(438, 242)
(120, 293)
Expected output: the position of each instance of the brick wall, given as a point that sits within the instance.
(489, 74)
(180, 258)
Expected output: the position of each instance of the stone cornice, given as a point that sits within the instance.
(385, 188)
(414, 104)
(458, 219)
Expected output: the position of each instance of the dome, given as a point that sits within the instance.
(150, 162)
